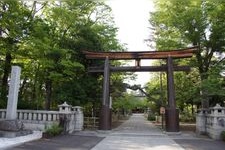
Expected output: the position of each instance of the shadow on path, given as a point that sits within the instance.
(64, 142)
(200, 144)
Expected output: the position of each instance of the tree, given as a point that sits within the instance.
(128, 102)
(157, 90)
(49, 40)
(14, 25)
(179, 24)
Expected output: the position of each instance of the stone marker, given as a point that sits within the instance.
(11, 112)
(11, 123)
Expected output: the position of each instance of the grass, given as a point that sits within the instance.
(53, 130)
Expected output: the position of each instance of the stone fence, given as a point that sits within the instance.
(70, 118)
(211, 121)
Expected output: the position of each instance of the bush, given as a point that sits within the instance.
(151, 117)
(223, 135)
(54, 130)
(184, 117)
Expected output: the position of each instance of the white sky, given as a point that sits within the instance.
(131, 17)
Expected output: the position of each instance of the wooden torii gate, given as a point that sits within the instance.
(172, 113)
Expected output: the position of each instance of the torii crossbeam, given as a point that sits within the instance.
(182, 53)
(172, 113)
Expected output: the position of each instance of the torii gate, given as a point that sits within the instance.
(172, 113)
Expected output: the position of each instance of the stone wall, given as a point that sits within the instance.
(211, 121)
(70, 118)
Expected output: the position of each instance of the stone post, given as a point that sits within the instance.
(79, 118)
(11, 113)
(201, 122)
(11, 123)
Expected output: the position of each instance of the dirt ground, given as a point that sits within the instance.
(188, 127)
(117, 123)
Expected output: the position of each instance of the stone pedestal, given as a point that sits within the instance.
(201, 122)
(11, 125)
(10, 134)
(79, 118)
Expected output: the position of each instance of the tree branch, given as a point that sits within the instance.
(136, 87)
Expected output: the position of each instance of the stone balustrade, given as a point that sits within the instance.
(34, 115)
(211, 121)
(70, 119)
(35, 119)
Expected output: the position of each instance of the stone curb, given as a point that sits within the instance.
(12, 142)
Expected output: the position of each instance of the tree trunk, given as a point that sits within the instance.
(203, 68)
(192, 108)
(22, 88)
(7, 67)
(35, 86)
(48, 86)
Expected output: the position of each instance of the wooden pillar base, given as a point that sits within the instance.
(172, 120)
(105, 118)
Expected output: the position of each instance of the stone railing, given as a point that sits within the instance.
(70, 118)
(211, 121)
(35, 119)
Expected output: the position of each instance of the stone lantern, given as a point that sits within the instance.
(64, 108)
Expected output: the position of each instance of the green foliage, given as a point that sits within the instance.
(54, 130)
(47, 39)
(151, 117)
(179, 24)
(187, 116)
(14, 28)
(223, 135)
(128, 102)
(213, 85)
(190, 23)
(158, 96)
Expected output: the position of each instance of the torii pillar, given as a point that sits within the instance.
(172, 113)
(105, 116)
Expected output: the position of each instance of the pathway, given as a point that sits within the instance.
(137, 133)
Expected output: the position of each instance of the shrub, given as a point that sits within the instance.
(151, 117)
(54, 130)
(184, 117)
(223, 135)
